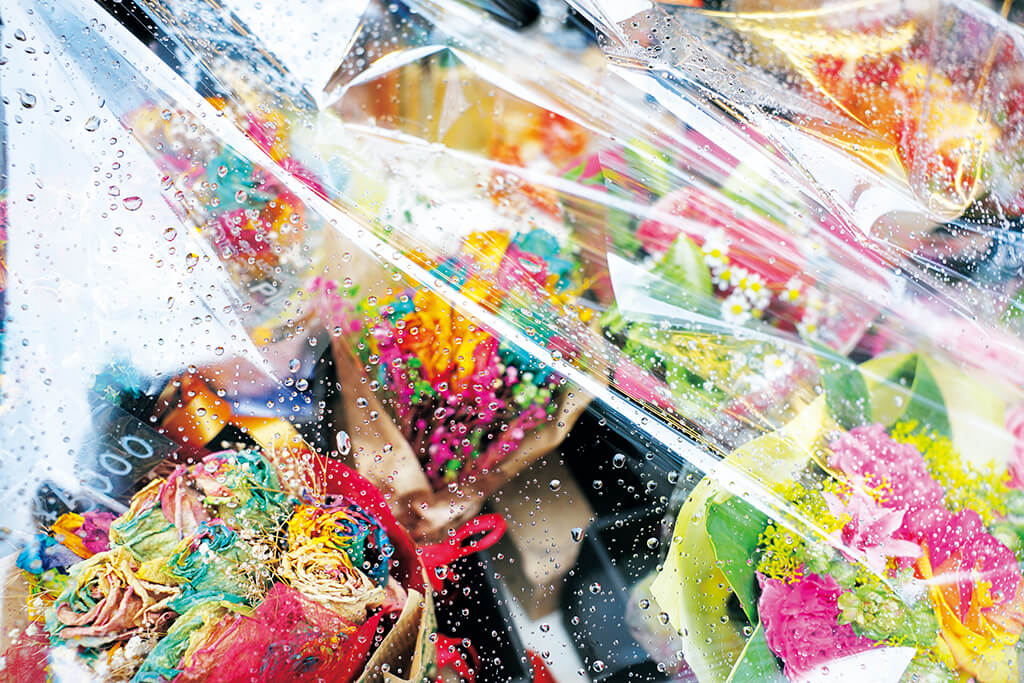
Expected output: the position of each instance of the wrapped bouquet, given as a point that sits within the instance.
(885, 537)
(449, 410)
(235, 568)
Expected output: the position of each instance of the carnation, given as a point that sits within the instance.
(801, 623)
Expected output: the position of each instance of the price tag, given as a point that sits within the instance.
(111, 465)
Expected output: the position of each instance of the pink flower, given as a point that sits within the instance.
(870, 530)
(869, 452)
(1014, 420)
(801, 623)
(95, 530)
(334, 310)
(976, 554)
(754, 244)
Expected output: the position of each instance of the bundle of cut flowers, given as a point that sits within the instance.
(463, 399)
(222, 571)
(885, 536)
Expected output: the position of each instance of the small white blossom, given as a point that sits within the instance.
(736, 308)
(716, 251)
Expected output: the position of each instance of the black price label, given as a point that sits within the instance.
(111, 465)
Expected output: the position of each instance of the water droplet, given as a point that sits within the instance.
(312, 341)
(294, 364)
(361, 402)
(92, 123)
(302, 385)
(544, 628)
(598, 484)
(219, 351)
(114, 191)
(576, 533)
(618, 460)
(28, 100)
(241, 196)
(344, 443)
(652, 543)
(20, 35)
(555, 484)
(663, 617)
(170, 234)
(598, 665)
(645, 603)
(595, 588)
(132, 203)
(441, 572)
(118, 230)
(191, 260)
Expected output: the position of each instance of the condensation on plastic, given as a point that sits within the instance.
(903, 115)
(106, 266)
(429, 102)
(725, 307)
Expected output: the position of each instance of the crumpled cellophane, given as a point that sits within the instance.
(904, 116)
(852, 405)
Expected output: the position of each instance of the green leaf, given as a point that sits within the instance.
(650, 165)
(686, 278)
(926, 404)
(1013, 316)
(734, 528)
(846, 392)
(757, 663)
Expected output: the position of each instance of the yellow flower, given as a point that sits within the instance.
(487, 248)
(983, 644)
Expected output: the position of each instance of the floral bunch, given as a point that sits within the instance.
(214, 573)
(898, 536)
(463, 399)
(257, 225)
(909, 511)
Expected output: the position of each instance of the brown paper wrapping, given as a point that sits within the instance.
(538, 547)
(383, 456)
(408, 652)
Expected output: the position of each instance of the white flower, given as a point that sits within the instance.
(736, 308)
(716, 250)
(754, 286)
(793, 291)
(729, 276)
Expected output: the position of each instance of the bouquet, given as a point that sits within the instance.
(449, 408)
(234, 568)
(886, 537)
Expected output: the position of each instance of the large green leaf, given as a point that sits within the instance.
(757, 663)
(846, 392)
(926, 404)
(734, 528)
(686, 278)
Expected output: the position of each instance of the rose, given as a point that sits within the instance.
(978, 636)
(801, 623)
(106, 601)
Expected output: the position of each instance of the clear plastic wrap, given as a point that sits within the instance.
(485, 248)
(902, 115)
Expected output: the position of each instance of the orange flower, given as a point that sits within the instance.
(983, 643)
